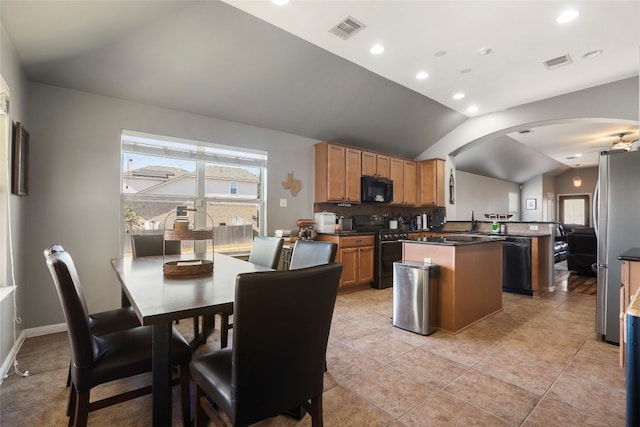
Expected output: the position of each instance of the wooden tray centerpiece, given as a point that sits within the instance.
(188, 268)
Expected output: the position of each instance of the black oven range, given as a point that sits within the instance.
(388, 248)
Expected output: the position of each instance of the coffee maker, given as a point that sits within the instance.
(436, 219)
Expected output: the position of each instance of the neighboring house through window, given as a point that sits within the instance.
(223, 183)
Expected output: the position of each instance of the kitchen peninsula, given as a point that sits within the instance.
(470, 281)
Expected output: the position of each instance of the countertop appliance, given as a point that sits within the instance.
(373, 189)
(325, 222)
(616, 207)
(387, 247)
(415, 297)
(516, 265)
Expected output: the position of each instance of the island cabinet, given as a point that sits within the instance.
(337, 173)
(375, 164)
(630, 278)
(541, 265)
(431, 182)
(469, 282)
(355, 253)
(403, 174)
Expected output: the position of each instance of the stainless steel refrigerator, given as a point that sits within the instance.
(617, 224)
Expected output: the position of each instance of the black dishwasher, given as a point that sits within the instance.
(516, 265)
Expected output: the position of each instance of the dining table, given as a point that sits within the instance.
(158, 300)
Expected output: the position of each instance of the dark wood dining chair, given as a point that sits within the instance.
(308, 253)
(154, 245)
(104, 322)
(99, 360)
(281, 329)
(265, 251)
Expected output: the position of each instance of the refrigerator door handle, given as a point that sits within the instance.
(594, 207)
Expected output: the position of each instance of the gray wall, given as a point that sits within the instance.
(481, 195)
(74, 197)
(13, 76)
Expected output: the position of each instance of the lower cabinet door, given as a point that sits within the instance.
(365, 258)
(349, 259)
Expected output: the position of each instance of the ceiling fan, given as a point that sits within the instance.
(622, 144)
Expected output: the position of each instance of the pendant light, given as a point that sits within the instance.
(577, 181)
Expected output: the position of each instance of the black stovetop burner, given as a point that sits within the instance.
(378, 225)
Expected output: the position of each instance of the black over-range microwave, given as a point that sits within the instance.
(374, 189)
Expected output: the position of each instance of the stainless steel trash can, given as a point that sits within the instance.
(415, 296)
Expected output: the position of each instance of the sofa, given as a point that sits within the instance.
(560, 245)
(582, 251)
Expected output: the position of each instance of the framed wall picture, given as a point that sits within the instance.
(531, 204)
(20, 161)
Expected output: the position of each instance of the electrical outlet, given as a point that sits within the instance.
(533, 227)
(283, 203)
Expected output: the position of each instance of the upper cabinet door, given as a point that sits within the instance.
(431, 182)
(337, 173)
(374, 164)
(396, 174)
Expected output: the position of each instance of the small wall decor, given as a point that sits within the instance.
(531, 204)
(292, 184)
(20, 161)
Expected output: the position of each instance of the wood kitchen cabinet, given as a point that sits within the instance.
(375, 164)
(403, 174)
(337, 173)
(355, 253)
(630, 277)
(431, 182)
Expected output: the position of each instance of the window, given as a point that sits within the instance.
(223, 184)
(574, 210)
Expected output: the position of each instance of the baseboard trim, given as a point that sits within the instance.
(27, 333)
(8, 362)
(45, 330)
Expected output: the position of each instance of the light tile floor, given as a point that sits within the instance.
(536, 363)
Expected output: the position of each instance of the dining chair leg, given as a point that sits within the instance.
(185, 388)
(82, 410)
(71, 404)
(201, 417)
(224, 330)
(316, 411)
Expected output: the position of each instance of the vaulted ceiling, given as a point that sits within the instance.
(280, 68)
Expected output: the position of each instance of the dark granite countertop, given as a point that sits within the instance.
(453, 240)
(350, 233)
(632, 254)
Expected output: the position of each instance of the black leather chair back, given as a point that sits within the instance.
(308, 253)
(266, 251)
(281, 329)
(151, 245)
(84, 348)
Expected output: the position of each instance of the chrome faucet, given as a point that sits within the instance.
(474, 222)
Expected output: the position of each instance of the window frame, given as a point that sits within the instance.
(202, 153)
(587, 207)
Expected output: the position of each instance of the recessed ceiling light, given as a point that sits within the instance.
(577, 155)
(484, 51)
(458, 95)
(567, 16)
(592, 54)
(422, 75)
(472, 109)
(440, 53)
(376, 49)
(279, 2)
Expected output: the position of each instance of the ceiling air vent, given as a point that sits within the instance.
(347, 28)
(558, 62)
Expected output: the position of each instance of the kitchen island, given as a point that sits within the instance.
(470, 281)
